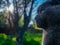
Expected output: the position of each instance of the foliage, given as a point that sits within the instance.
(16, 20)
(2, 20)
(32, 38)
(29, 39)
(21, 21)
(6, 40)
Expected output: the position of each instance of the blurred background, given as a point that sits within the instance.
(17, 22)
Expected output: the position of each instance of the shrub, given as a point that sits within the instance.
(32, 39)
(6, 40)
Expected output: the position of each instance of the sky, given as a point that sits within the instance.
(35, 6)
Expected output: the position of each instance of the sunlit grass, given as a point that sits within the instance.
(6, 40)
(32, 38)
(29, 38)
(3, 35)
(14, 38)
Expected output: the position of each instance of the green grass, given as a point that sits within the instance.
(32, 38)
(6, 40)
(29, 39)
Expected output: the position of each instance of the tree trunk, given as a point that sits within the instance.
(20, 36)
(21, 31)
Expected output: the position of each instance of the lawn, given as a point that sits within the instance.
(29, 39)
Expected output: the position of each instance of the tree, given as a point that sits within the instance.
(20, 30)
(19, 10)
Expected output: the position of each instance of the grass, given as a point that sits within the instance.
(29, 39)
(32, 38)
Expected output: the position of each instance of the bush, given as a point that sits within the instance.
(6, 40)
(32, 42)
(29, 39)
(32, 38)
